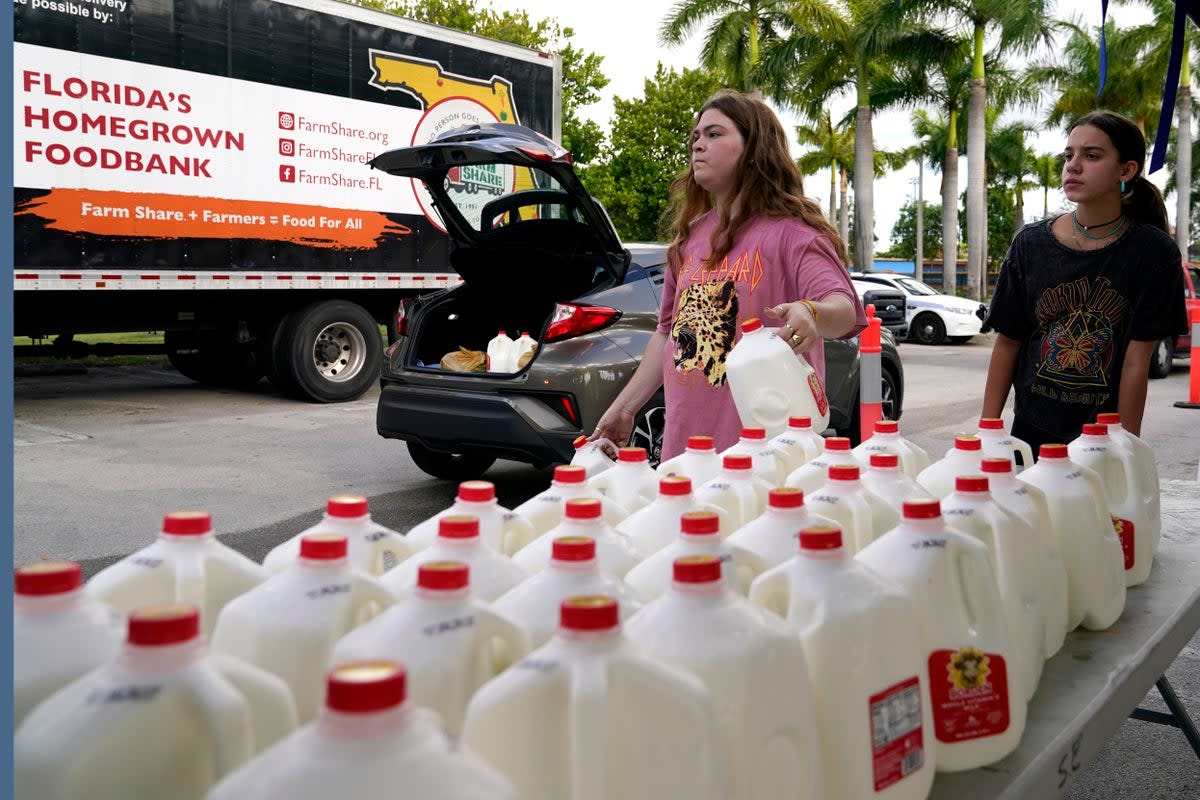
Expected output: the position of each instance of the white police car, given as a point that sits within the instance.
(933, 318)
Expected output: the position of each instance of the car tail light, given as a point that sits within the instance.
(402, 311)
(571, 320)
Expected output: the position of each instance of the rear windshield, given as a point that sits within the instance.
(491, 196)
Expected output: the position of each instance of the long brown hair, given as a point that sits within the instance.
(1142, 200)
(768, 183)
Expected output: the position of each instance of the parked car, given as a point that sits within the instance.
(540, 256)
(889, 306)
(933, 317)
(1164, 355)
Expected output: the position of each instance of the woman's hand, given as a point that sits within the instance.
(613, 430)
(799, 329)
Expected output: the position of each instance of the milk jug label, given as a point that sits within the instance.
(969, 692)
(818, 392)
(897, 749)
(1124, 530)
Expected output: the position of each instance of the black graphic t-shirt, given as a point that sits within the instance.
(1075, 312)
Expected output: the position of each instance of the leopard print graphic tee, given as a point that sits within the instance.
(773, 261)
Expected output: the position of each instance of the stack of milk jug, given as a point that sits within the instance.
(789, 618)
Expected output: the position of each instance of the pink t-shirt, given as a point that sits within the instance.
(774, 260)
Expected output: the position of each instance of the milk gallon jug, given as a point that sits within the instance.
(1087, 542)
(502, 353)
(772, 536)
(501, 530)
(458, 539)
(631, 483)
(588, 716)
(524, 344)
(887, 439)
(997, 443)
(615, 551)
(589, 456)
(975, 686)
(1146, 473)
(768, 464)
(573, 571)
(373, 548)
(185, 565)
(885, 479)
(162, 720)
(1016, 558)
(368, 743)
(852, 507)
(798, 444)
(815, 473)
(699, 461)
(699, 535)
(1094, 449)
(289, 624)
(962, 459)
(755, 671)
(770, 382)
(545, 510)
(59, 632)
(654, 527)
(871, 691)
(737, 490)
(1029, 503)
(450, 642)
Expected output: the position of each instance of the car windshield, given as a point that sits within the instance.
(491, 196)
(915, 287)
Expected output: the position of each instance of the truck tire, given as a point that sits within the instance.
(328, 352)
(449, 466)
(213, 359)
(1162, 359)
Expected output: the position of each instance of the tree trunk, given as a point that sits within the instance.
(864, 179)
(976, 191)
(1045, 200)
(1183, 169)
(1019, 211)
(833, 175)
(844, 208)
(950, 221)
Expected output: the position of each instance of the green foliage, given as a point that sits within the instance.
(648, 150)
(904, 232)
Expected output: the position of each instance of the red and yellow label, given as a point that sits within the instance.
(968, 689)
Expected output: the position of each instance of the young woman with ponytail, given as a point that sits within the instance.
(746, 243)
(1083, 298)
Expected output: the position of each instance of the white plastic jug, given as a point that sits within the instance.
(770, 382)
(699, 461)
(755, 671)
(524, 344)
(502, 353)
(545, 510)
(1083, 531)
(573, 571)
(502, 530)
(1029, 503)
(737, 490)
(162, 719)
(964, 458)
(1016, 557)
(767, 461)
(998, 443)
(615, 551)
(861, 515)
(458, 539)
(890, 483)
(772, 536)
(798, 444)
(59, 632)
(975, 686)
(288, 624)
(887, 439)
(450, 642)
(815, 473)
(369, 743)
(868, 672)
(374, 549)
(590, 456)
(186, 564)
(631, 483)
(1116, 467)
(654, 526)
(588, 716)
(698, 534)
(1146, 473)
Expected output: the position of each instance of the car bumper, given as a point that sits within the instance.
(962, 324)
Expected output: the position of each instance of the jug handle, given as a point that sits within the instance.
(747, 566)
(389, 542)
(228, 721)
(189, 585)
(507, 642)
(588, 729)
(515, 528)
(370, 598)
(770, 590)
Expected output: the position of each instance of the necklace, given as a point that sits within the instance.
(1083, 229)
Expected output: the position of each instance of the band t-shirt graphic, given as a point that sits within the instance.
(1075, 312)
(773, 261)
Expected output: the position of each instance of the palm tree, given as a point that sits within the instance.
(834, 149)
(1011, 161)
(1048, 170)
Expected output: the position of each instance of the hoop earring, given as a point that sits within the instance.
(1122, 187)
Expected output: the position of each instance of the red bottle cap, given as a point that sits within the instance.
(157, 626)
(323, 546)
(632, 455)
(1108, 418)
(997, 465)
(971, 483)
(458, 526)
(579, 442)
(737, 462)
(1052, 451)
(968, 443)
(751, 325)
(821, 537)
(697, 569)
(583, 508)
(843, 472)
(991, 424)
(569, 473)
(1095, 429)
(477, 491)
(785, 497)
(443, 576)
(347, 506)
(887, 426)
(837, 443)
(362, 687)
(885, 460)
(754, 433)
(700, 523)
(675, 486)
(700, 443)
(922, 508)
(48, 577)
(589, 613)
(187, 523)
(803, 423)
(573, 548)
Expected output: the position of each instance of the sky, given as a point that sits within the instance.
(625, 33)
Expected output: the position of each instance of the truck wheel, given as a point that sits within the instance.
(928, 328)
(648, 427)
(449, 466)
(213, 359)
(1162, 359)
(328, 352)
